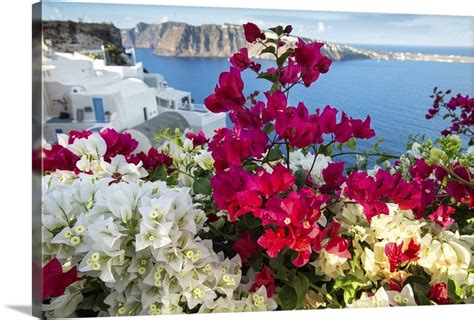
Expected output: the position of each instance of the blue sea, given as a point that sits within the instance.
(394, 93)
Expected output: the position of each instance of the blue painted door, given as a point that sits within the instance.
(98, 104)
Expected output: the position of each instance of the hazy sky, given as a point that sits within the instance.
(352, 28)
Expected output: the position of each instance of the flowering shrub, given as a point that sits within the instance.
(459, 110)
(263, 215)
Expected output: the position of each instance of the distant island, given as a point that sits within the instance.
(184, 40)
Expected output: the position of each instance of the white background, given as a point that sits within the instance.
(15, 156)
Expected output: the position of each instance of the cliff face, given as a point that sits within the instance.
(183, 40)
(69, 36)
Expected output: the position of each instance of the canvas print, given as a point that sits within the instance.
(199, 160)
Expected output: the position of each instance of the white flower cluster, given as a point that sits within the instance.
(187, 157)
(91, 151)
(141, 241)
(299, 160)
(443, 255)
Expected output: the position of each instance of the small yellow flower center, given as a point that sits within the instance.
(80, 229)
(75, 241)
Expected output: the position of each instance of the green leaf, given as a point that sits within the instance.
(281, 59)
(301, 285)
(277, 263)
(347, 282)
(420, 294)
(250, 167)
(268, 128)
(275, 87)
(454, 290)
(382, 159)
(377, 143)
(275, 154)
(351, 144)
(300, 176)
(159, 173)
(417, 279)
(249, 221)
(269, 49)
(202, 186)
(281, 275)
(278, 30)
(267, 76)
(287, 297)
(257, 261)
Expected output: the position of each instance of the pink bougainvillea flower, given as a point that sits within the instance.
(274, 241)
(246, 247)
(252, 118)
(333, 176)
(361, 129)
(362, 188)
(73, 135)
(271, 213)
(459, 191)
(55, 281)
(426, 192)
(255, 67)
(302, 245)
(252, 32)
(439, 293)
(231, 147)
(240, 60)
(152, 159)
(311, 61)
(198, 139)
(118, 143)
(226, 185)
(442, 216)
(228, 93)
(420, 169)
(248, 202)
(290, 73)
(397, 256)
(296, 126)
(276, 103)
(369, 192)
(327, 120)
(269, 184)
(343, 131)
(337, 245)
(264, 278)
(59, 158)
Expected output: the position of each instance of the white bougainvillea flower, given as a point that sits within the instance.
(415, 151)
(101, 262)
(121, 199)
(120, 170)
(204, 160)
(298, 160)
(122, 278)
(196, 293)
(76, 237)
(259, 301)
(154, 235)
(379, 299)
(105, 234)
(402, 298)
(448, 257)
(93, 146)
(158, 210)
(58, 210)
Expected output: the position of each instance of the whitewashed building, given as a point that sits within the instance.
(80, 93)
